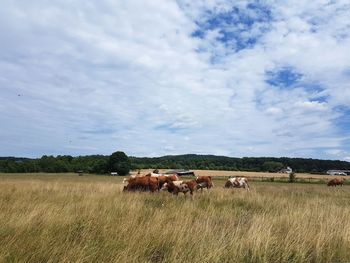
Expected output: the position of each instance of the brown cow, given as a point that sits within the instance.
(163, 178)
(144, 183)
(173, 177)
(334, 182)
(192, 185)
(204, 182)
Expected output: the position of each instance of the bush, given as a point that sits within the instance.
(292, 177)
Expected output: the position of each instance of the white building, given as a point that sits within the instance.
(338, 172)
(287, 170)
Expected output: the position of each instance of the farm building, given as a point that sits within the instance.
(287, 170)
(338, 172)
(180, 172)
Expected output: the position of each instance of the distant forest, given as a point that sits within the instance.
(98, 164)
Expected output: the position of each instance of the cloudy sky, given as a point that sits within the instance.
(161, 77)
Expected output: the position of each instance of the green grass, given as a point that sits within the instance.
(67, 218)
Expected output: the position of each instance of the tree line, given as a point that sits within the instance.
(120, 162)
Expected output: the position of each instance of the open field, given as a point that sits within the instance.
(67, 218)
(216, 173)
(255, 174)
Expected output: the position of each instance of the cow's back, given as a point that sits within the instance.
(144, 183)
(205, 179)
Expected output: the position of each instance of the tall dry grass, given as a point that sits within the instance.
(72, 219)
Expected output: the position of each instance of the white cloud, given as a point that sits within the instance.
(98, 76)
(274, 111)
(311, 106)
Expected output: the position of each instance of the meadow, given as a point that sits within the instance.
(220, 173)
(70, 218)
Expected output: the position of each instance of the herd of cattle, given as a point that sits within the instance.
(170, 182)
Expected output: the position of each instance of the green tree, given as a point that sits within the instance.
(272, 166)
(119, 162)
(99, 166)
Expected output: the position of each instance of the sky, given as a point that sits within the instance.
(155, 77)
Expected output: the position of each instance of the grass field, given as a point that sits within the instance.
(216, 173)
(67, 218)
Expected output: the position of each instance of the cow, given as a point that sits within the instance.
(144, 183)
(335, 182)
(236, 182)
(127, 180)
(201, 186)
(173, 177)
(175, 187)
(163, 178)
(204, 182)
(192, 185)
(165, 185)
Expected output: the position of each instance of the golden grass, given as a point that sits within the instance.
(66, 218)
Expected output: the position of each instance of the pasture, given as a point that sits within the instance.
(219, 173)
(67, 218)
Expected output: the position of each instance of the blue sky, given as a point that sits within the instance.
(151, 78)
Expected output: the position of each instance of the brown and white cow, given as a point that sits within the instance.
(165, 185)
(164, 178)
(177, 187)
(237, 182)
(204, 182)
(336, 181)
